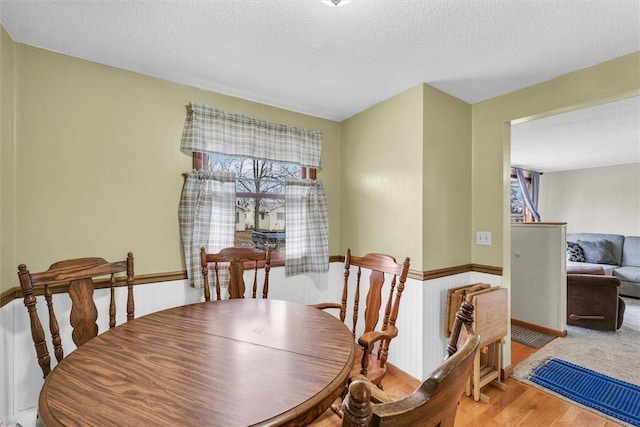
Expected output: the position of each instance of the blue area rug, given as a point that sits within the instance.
(613, 397)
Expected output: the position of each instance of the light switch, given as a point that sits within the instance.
(483, 238)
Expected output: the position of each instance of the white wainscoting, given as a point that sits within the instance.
(6, 361)
(418, 349)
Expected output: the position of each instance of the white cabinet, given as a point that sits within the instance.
(538, 275)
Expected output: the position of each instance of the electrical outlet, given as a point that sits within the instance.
(483, 238)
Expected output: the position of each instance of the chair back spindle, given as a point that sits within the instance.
(464, 317)
(357, 408)
(84, 313)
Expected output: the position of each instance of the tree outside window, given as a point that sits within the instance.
(260, 198)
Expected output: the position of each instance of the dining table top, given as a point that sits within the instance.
(237, 362)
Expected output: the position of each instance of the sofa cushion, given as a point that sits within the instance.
(631, 252)
(629, 274)
(617, 241)
(575, 253)
(598, 251)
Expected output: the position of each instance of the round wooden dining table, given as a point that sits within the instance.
(239, 362)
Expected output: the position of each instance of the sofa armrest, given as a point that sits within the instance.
(583, 280)
(585, 269)
(593, 302)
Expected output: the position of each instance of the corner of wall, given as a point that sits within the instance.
(7, 161)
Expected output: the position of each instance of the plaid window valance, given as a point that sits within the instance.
(209, 130)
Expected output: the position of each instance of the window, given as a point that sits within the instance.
(519, 211)
(221, 197)
(517, 202)
(260, 196)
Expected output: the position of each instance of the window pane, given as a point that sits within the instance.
(260, 189)
(517, 203)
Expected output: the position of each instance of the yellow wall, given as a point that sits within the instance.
(446, 169)
(7, 165)
(406, 171)
(98, 169)
(604, 82)
(381, 173)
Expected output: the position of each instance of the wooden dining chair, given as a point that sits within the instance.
(377, 333)
(79, 275)
(433, 403)
(236, 261)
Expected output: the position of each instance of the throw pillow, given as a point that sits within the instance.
(598, 251)
(574, 252)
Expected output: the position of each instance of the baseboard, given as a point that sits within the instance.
(506, 372)
(538, 328)
(403, 376)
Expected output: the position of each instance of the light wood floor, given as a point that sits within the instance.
(519, 405)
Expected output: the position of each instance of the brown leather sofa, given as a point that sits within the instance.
(593, 301)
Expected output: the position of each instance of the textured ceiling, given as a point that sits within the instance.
(334, 62)
(603, 135)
